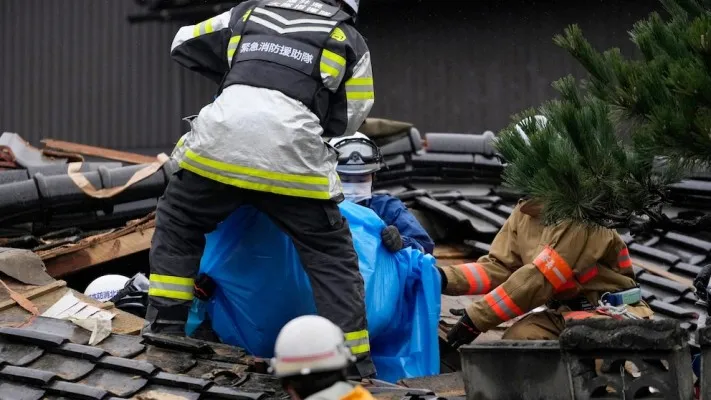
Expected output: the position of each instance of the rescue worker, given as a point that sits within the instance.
(569, 267)
(358, 161)
(310, 360)
(290, 73)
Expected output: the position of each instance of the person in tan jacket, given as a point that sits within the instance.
(569, 267)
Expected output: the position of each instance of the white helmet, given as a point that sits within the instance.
(353, 4)
(105, 287)
(541, 122)
(358, 155)
(309, 344)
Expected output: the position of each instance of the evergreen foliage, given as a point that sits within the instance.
(577, 165)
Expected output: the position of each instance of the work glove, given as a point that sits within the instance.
(204, 287)
(391, 238)
(463, 332)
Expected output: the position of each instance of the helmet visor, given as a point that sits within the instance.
(358, 156)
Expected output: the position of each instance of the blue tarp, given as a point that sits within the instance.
(262, 285)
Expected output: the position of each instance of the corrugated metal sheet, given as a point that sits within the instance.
(77, 70)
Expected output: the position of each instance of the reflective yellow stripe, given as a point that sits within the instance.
(356, 335)
(360, 95)
(208, 26)
(334, 57)
(364, 348)
(171, 294)
(360, 81)
(196, 30)
(311, 194)
(247, 14)
(235, 39)
(236, 169)
(181, 141)
(175, 280)
(330, 70)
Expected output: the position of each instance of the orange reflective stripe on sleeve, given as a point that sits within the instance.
(553, 267)
(623, 259)
(502, 305)
(479, 282)
(570, 285)
(588, 274)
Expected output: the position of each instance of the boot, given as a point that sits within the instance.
(165, 321)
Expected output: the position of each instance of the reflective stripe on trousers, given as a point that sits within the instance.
(171, 287)
(358, 342)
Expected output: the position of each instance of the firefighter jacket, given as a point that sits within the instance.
(530, 264)
(394, 212)
(290, 74)
(342, 391)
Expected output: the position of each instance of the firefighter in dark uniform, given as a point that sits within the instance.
(291, 74)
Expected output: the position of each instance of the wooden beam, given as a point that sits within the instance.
(98, 253)
(134, 226)
(33, 293)
(95, 151)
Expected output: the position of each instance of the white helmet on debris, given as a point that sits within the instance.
(307, 345)
(105, 287)
(541, 122)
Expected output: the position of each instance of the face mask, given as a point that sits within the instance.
(356, 192)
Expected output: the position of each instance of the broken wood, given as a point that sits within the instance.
(33, 293)
(98, 253)
(665, 274)
(95, 151)
(21, 300)
(138, 225)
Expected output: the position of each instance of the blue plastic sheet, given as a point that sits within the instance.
(262, 286)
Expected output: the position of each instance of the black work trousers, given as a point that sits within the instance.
(192, 206)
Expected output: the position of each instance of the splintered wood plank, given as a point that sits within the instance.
(98, 253)
(30, 292)
(95, 151)
(139, 225)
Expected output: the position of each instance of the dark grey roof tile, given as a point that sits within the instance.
(18, 354)
(117, 383)
(208, 369)
(180, 381)
(76, 391)
(227, 393)
(81, 351)
(672, 311)
(663, 283)
(158, 389)
(17, 391)
(27, 375)
(685, 269)
(60, 327)
(654, 254)
(686, 255)
(178, 344)
(41, 339)
(481, 213)
(67, 368)
(136, 367)
(688, 241)
(504, 210)
(123, 345)
(168, 360)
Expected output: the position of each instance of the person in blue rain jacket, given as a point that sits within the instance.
(358, 161)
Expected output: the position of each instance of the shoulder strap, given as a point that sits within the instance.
(245, 17)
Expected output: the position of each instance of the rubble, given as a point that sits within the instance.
(450, 182)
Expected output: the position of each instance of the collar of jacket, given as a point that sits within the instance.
(530, 207)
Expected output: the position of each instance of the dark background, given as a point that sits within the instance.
(78, 70)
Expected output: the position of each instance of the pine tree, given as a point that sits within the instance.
(577, 165)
